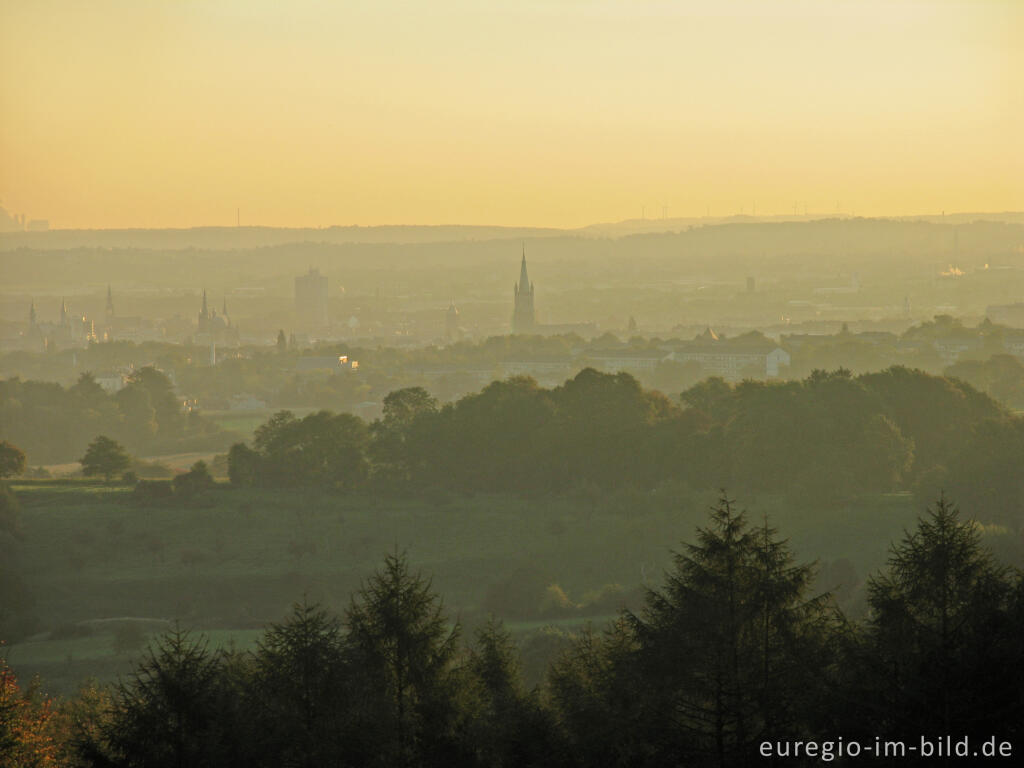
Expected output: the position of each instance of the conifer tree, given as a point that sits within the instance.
(299, 690)
(508, 726)
(731, 647)
(165, 714)
(942, 651)
(402, 651)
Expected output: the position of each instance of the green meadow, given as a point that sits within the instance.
(105, 574)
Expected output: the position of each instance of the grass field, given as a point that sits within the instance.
(236, 559)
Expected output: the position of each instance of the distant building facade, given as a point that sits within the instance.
(634, 361)
(70, 330)
(732, 359)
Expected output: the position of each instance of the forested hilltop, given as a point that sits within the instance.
(733, 654)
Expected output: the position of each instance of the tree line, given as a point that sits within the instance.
(734, 650)
(54, 424)
(825, 439)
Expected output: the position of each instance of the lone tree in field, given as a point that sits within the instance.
(105, 457)
(12, 460)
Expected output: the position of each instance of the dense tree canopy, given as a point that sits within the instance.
(144, 415)
(828, 439)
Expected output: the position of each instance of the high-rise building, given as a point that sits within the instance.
(311, 298)
(523, 319)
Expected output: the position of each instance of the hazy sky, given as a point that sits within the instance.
(548, 112)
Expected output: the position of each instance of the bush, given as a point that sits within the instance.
(219, 465)
(196, 480)
(129, 478)
(243, 465)
(556, 603)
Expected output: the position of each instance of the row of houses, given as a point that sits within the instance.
(733, 360)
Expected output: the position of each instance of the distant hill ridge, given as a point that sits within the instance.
(232, 238)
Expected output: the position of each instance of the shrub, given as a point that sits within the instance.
(243, 465)
(556, 603)
(196, 480)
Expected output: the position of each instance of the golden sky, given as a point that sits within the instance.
(173, 113)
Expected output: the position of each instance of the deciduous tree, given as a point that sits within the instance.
(106, 457)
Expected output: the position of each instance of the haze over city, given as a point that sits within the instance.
(538, 384)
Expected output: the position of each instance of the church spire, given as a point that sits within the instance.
(110, 302)
(524, 278)
(204, 312)
(522, 315)
(32, 313)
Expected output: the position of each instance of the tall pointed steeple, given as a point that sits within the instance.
(63, 312)
(32, 313)
(523, 319)
(110, 302)
(203, 325)
(524, 278)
